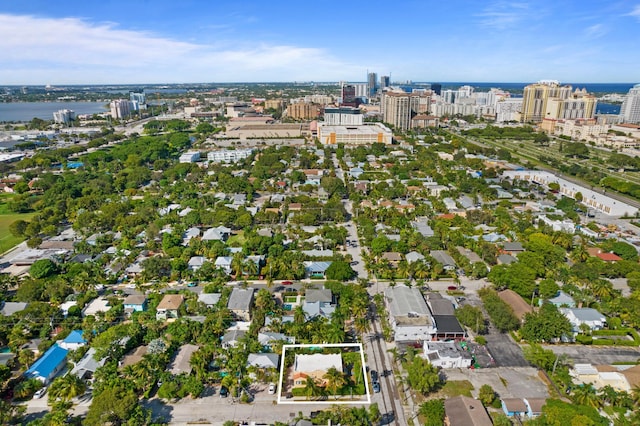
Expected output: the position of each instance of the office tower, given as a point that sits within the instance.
(64, 116)
(362, 90)
(398, 108)
(385, 81)
(372, 84)
(349, 95)
(630, 110)
(120, 108)
(437, 88)
(547, 99)
(343, 116)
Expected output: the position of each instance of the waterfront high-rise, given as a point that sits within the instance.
(385, 81)
(64, 116)
(372, 84)
(547, 99)
(630, 109)
(120, 108)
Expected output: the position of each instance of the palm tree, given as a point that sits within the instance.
(310, 388)
(237, 264)
(250, 268)
(65, 388)
(587, 395)
(602, 289)
(335, 380)
(579, 253)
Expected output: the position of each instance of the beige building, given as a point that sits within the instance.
(169, 306)
(303, 111)
(548, 99)
(274, 104)
(366, 134)
(399, 108)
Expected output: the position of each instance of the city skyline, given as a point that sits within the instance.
(116, 42)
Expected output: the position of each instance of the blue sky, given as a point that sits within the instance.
(182, 41)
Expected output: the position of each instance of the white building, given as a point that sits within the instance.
(558, 225)
(508, 110)
(592, 199)
(446, 355)
(366, 134)
(64, 116)
(120, 108)
(630, 110)
(409, 314)
(343, 116)
(190, 157)
(587, 316)
(229, 155)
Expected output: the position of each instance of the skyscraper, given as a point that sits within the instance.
(547, 99)
(385, 81)
(630, 110)
(398, 108)
(120, 108)
(372, 84)
(437, 88)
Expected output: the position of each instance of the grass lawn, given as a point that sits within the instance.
(454, 388)
(7, 240)
(236, 240)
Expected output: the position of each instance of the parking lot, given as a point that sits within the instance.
(508, 382)
(596, 355)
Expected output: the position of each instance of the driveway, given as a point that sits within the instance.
(595, 354)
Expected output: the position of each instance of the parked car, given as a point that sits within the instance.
(224, 392)
(374, 376)
(272, 388)
(376, 387)
(39, 393)
(287, 282)
(192, 284)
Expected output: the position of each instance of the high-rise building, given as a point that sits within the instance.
(120, 108)
(343, 116)
(303, 111)
(385, 81)
(138, 101)
(64, 116)
(349, 96)
(437, 88)
(372, 84)
(630, 109)
(547, 99)
(398, 108)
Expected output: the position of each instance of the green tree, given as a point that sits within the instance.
(486, 395)
(546, 325)
(339, 271)
(472, 317)
(335, 380)
(114, 405)
(42, 268)
(433, 412)
(65, 388)
(422, 376)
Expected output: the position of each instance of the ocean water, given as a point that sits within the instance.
(595, 88)
(27, 111)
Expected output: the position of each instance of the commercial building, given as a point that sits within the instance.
(138, 101)
(355, 135)
(372, 84)
(349, 95)
(409, 314)
(630, 110)
(591, 199)
(189, 157)
(343, 116)
(548, 99)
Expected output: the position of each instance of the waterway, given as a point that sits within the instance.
(27, 111)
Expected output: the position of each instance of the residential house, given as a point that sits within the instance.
(316, 269)
(513, 248)
(392, 258)
(562, 300)
(87, 366)
(588, 316)
(9, 308)
(209, 299)
(169, 306)
(267, 338)
(135, 303)
(263, 360)
(465, 411)
(48, 365)
(189, 234)
(240, 303)
(445, 259)
(73, 341)
(314, 366)
(181, 362)
(534, 406)
(196, 262)
(514, 407)
(471, 256)
(224, 263)
(414, 256)
(409, 314)
(220, 233)
(446, 354)
(518, 305)
(231, 338)
(506, 259)
(317, 253)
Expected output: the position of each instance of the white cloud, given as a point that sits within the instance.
(73, 50)
(595, 31)
(635, 12)
(503, 15)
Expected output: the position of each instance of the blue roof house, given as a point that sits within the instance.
(73, 341)
(316, 269)
(48, 365)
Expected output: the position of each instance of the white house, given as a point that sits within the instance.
(446, 355)
(409, 314)
(589, 316)
(224, 263)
